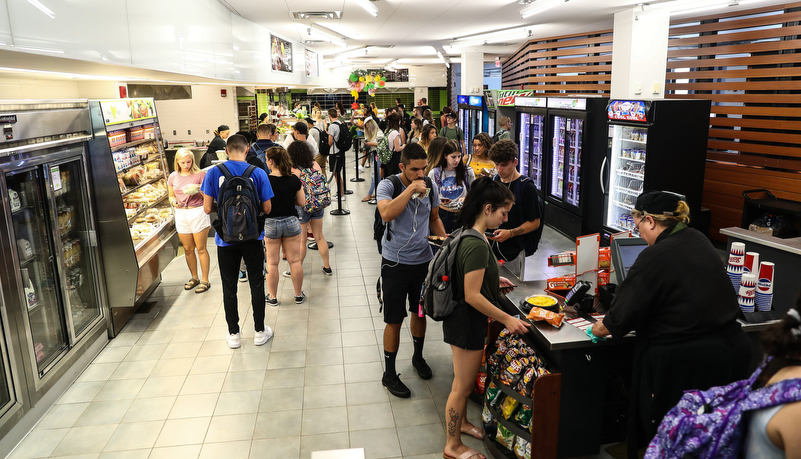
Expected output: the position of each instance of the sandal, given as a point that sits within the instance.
(193, 282)
(203, 287)
(475, 432)
(469, 454)
(366, 198)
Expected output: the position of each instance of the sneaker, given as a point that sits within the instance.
(361, 168)
(263, 336)
(287, 274)
(300, 299)
(395, 386)
(243, 276)
(271, 301)
(233, 340)
(423, 370)
(327, 271)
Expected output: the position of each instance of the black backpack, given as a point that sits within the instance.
(344, 140)
(439, 288)
(322, 147)
(497, 136)
(238, 207)
(379, 225)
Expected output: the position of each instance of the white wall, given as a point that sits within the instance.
(204, 111)
(639, 54)
(27, 88)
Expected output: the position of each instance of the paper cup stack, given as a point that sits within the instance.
(736, 264)
(747, 293)
(764, 288)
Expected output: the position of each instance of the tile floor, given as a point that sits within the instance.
(169, 387)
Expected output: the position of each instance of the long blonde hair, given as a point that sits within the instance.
(370, 130)
(183, 153)
(682, 215)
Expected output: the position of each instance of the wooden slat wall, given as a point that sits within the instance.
(568, 64)
(748, 64)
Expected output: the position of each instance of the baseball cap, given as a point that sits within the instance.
(658, 202)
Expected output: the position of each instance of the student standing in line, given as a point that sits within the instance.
(229, 254)
(302, 166)
(428, 134)
(480, 161)
(405, 257)
(479, 286)
(372, 134)
(191, 222)
(506, 128)
(452, 131)
(417, 131)
(453, 180)
(337, 157)
(282, 227)
(396, 144)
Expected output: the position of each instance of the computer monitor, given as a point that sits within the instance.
(624, 253)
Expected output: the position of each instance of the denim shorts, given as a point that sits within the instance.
(306, 217)
(276, 228)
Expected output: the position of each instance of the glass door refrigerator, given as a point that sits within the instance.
(472, 118)
(577, 147)
(52, 295)
(137, 234)
(653, 145)
(530, 128)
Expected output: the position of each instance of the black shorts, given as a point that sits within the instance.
(336, 162)
(401, 283)
(465, 328)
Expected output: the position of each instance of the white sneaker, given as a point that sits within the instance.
(263, 336)
(233, 341)
(361, 168)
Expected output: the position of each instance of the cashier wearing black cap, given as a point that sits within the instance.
(680, 302)
(218, 143)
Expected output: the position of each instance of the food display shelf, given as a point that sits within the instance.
(141, 185)
(146, 208)
(634, 160)
(623, 205)
(623, 173)
(634, 141)
(627, 191)
(134, 143)
(143, 164)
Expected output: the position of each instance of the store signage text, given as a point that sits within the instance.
(627, 110)
(8, 119)
(531, 102)
(507, 97)
(575, 104)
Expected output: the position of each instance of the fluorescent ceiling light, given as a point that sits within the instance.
(333, 39)
(43, 8)
(539, 6)
(41, 50)
(369, 6)
(684, 7)
(442, 57)
(516, 34)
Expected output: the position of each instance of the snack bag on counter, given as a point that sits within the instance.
(527, 381)
(523, 417)
(505, 437)
(548, 316)
(481, 383)
(522, 448)
(508, 407)
(512, 373)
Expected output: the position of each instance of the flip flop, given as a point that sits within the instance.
(475, 432)
(203, 287)
(469, 454)
(366, 198)
(193, 282)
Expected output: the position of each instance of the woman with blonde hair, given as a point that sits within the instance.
(417, 130)
(191, 222)
(428, 133)
(282, 227)
(479, 160)
(372, 134)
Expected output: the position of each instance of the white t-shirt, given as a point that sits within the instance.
(333, 130)
(448, 187)
(392, 136)
(309, 141)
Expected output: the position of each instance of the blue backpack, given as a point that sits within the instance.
(710, 424)
(238, 207)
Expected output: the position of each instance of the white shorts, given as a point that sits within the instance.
(191, 221)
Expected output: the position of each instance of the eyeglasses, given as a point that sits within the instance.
(637, 225)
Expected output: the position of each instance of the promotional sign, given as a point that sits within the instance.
(126, 110)
(281, 54)
(490, 100)
(508, 97)
(627, 110)
(564, 102)
(531, 102)
(311, 64)
(476, 101)
(462, 100)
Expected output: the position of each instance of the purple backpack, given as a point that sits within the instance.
(710, 424)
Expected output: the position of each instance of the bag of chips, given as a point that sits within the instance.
(505, 437)
(481, 383)
(527, 382)
(508, 407)
(548, 316)
(522, 448)
(523, 417)
(492, 393)
(512, 374)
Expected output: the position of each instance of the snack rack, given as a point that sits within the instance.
(136, 225)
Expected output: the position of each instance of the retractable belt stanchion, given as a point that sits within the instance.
(340, 183)
(357, 149)
(344, 169)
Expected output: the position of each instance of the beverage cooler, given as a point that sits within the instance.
(472, 118)
(137, 230)
(530, 128)
(577, 148)
(52, 316)
(653, 145)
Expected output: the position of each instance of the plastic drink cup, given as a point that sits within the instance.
(736, 264)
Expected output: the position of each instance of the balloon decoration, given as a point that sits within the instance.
(361, 80)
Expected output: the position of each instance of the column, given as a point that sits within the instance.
(639, 54)
(472, 73)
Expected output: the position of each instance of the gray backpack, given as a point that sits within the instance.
(439, 295)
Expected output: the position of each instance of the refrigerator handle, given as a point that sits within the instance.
(603, 166)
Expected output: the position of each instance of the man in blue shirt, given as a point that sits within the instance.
(230, 254)
(406, 254)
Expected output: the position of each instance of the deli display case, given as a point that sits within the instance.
(136, 232)
(52, 313)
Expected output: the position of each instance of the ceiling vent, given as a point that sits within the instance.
(316, 15)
